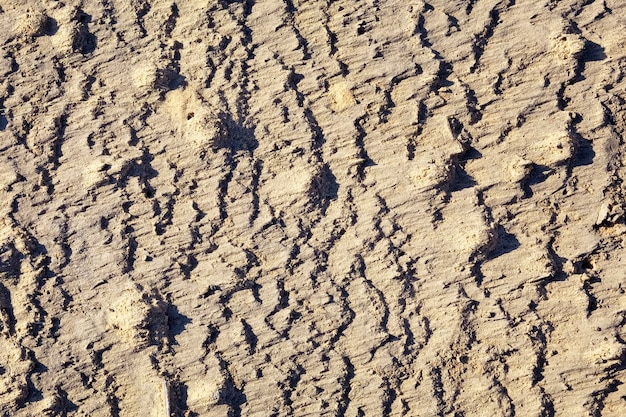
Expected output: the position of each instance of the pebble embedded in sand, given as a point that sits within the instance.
(606, 354)
(203, 394)
(307, 186)
(8, 175)
(609, 213)
(431, 172)
(33, 23)
(145, 76)
(95, 173)
(205, 129)
(603, 213)
(568, 46)
(519, 168)
(128, 316)
(554, 150)
(292, 185)
(480, 238)
(341, 96)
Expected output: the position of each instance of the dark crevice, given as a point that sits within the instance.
(347, 315)
(178, 399)
(318, 138)
(256, 176)
(389, 397)
(251, 338)
(230, 393)
(481, 40)
(332, 40)
(165, 216)
(599, 397)
(293, 379)
(366, 161)
(131, 249)
(142, 7)
(345, 382)
(537, 175)
(438, 391)
(470, 6)
(170, 23)
(60, 124)
(302, 42)
(385, 109)
(592, 300)
(497, 87)
(6, 310)
(547, 405)
(538, 337)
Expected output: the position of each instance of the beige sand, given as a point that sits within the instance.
(323, 208)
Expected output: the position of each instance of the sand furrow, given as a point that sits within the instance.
(260, 208)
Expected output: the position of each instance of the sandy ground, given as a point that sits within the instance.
(323, 208)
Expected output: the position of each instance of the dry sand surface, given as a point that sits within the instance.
(323, 208)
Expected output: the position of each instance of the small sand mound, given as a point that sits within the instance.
(138, 319)
(206, 129)
(432, 172)
(14, 367)
(150, 76)
(69, 38)
(73, 35)
(308, 188)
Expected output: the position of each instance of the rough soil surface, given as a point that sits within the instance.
(324, 208)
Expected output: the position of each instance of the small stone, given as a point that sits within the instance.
(34, 23)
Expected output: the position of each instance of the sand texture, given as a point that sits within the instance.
(321, 208)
